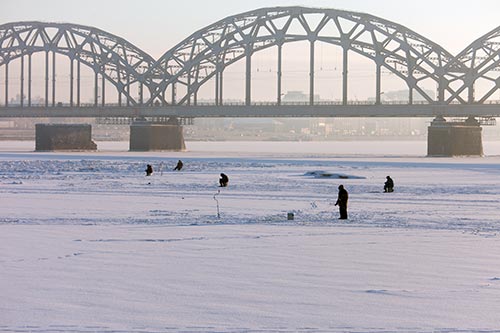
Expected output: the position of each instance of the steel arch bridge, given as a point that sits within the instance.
(204, 56)
(110, 57)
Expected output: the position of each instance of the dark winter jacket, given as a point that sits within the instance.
(342, 198)
(223, 180)
(389, 184)
(179, 166)
(149, 170)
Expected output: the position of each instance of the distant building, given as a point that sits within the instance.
(404, 95)
(298, 96)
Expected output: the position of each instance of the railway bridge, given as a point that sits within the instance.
(55, 69)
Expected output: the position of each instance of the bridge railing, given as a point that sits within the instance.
(238, 103)
(233, 103)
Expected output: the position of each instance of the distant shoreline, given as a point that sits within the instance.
(334, 149)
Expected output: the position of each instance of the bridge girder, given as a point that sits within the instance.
(117, 60)
(205, 54)
(209, 51)
(482, 62)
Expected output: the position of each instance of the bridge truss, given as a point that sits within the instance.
(111, 58)
(207, 53)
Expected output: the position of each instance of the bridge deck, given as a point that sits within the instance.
(213, 111)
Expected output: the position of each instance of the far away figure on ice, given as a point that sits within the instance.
(389, 185)
(149, 170)
(179, 166)
(342, 202)
(223, 180)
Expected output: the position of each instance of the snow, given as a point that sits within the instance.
(88, 243)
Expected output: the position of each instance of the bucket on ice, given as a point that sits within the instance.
(290, 216)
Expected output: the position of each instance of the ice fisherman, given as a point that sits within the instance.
(223, 180)
(389, 185)
(342, 202)
(179, 166)
(149, 170)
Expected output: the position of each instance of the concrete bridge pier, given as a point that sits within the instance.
(147, 136)
(454, 138)
(64, 137)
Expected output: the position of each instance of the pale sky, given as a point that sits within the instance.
(157, 25)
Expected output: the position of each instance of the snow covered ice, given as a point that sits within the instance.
(88, 243)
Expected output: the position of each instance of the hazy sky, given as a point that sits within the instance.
(157, 25)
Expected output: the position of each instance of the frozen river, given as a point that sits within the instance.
(88, 243)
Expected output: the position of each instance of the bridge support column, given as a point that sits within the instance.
(64, 137)
(454, 138)
(146, 136)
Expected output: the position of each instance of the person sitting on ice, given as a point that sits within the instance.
(179, 166)
(149, 170)
(224, 180)
(389, 185)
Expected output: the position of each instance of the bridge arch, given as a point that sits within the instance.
(206, 53)
(114, 59)
(480, 65)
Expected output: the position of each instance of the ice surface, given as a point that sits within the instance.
(88, 243)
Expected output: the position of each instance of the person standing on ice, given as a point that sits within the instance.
(149, 170)
(389, 185)
(179, 166)
(224, 180)
(342, 202)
